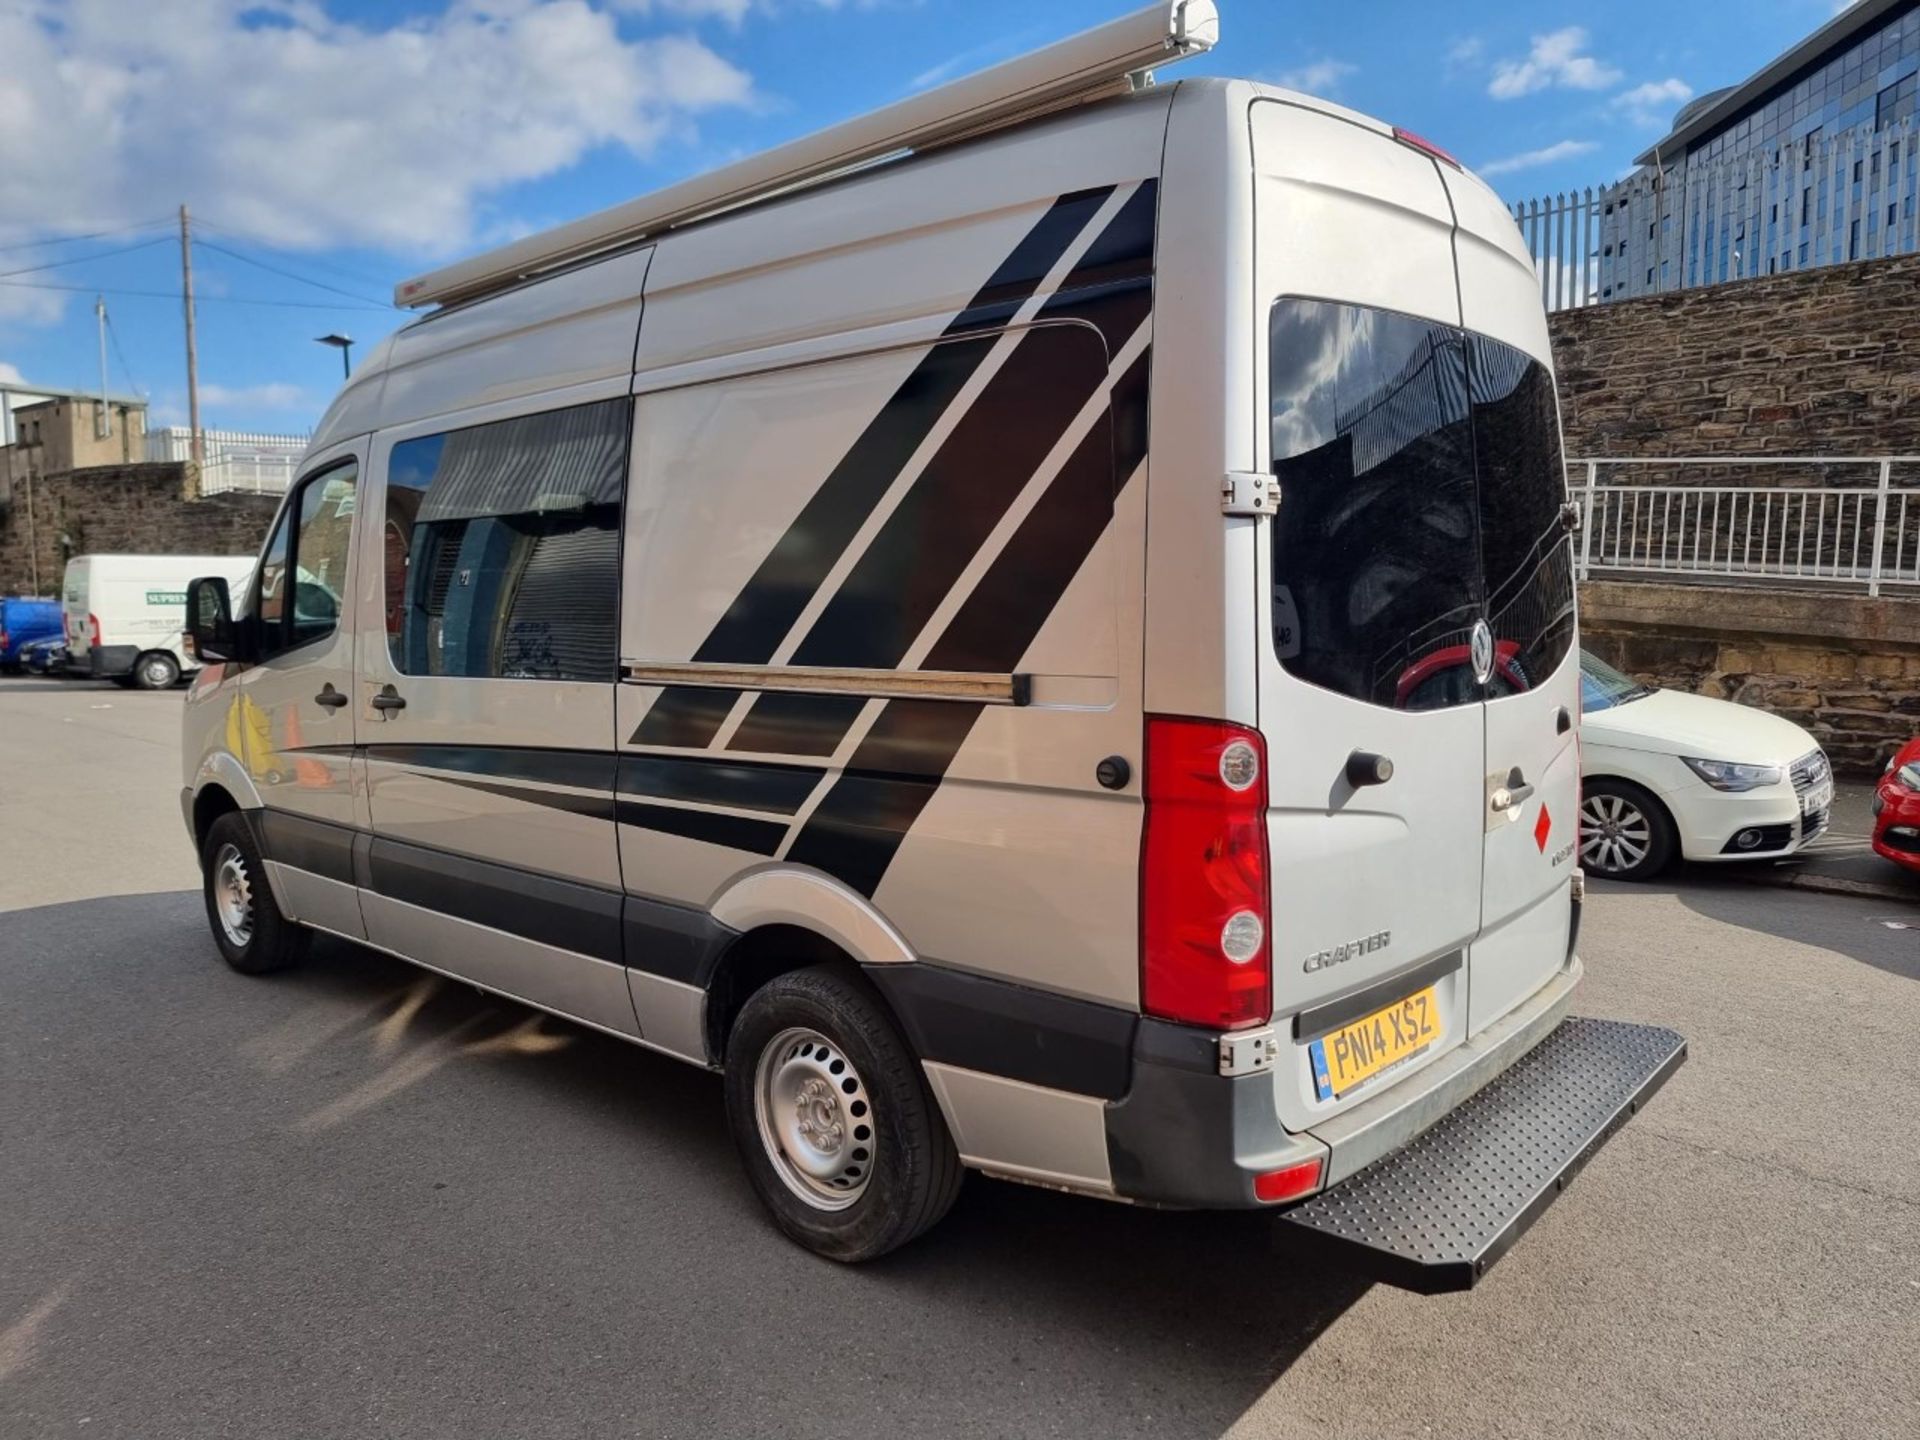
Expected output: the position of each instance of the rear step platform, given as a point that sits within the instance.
(1434, 1215)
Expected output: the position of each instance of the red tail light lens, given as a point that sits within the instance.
(1288, 1184)
(1205, 955)
(93, 632)
(1425, 147)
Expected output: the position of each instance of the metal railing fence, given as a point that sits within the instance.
(239, 473)
(1852, 195)
(1821, 519)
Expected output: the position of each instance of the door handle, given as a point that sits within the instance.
(1364, 768)
(329, 697)
(388, 700)
(1512, 794)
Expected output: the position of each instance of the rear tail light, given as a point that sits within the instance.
(1205, 937)
(93, 631)
(1288, 1184)
(1425, 147)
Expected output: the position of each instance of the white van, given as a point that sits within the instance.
(989, 649)
(123, 613)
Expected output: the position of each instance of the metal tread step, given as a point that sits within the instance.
(1434, 1215)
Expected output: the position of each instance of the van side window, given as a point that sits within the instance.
(302, 574)
(502, 547)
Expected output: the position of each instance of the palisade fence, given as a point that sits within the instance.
(1823, 201)
(1813, 520)
(237, 461)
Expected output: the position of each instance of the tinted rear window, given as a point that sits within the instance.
(1421, 487)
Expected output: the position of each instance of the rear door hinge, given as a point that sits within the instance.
(1245, 493)
(1249, 1052)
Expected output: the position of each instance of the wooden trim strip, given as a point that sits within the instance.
(977, 687)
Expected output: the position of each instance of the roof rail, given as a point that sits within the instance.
(1089, 66)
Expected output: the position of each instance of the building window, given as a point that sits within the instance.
(502, 547)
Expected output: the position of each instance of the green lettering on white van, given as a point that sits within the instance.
(166, 597)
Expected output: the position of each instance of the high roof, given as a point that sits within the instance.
(1699, 119)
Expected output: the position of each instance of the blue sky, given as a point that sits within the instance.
(353, 143)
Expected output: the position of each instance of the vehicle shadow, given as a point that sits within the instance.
(555, 1214)
(1185, 1314)
(1860, 927)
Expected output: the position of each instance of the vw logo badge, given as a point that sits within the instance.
(1481, 650)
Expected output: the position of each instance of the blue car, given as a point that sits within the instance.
(44, 657)
(21, 623)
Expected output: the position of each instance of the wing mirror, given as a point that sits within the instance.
(212, 635)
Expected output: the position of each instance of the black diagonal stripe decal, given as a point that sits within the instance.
(764, 611)
(735, 832)
(857, 828)
(739, 785)
(931, 537)
(892, 591)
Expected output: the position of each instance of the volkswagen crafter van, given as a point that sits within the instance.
(980, 626)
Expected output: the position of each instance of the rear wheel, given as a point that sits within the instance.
(253, 936)
(156, 670)
(833, 1119)
(1625, 834)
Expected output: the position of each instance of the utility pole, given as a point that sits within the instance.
(193, 359)
(102, 423)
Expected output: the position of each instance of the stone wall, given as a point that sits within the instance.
(121, 510)
(1817, 362)
(1845, 666)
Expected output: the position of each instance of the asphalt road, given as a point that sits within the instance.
(357, 1201)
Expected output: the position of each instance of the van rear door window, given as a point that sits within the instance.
(502, 547)
(1421, 486)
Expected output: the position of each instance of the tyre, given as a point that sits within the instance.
(839, 1134)
(253, 936)
(1625, 834)
(156, 670)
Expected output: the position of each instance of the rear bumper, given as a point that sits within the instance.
(106, 661)
(1185, 1135)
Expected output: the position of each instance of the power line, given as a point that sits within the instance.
(92, 235)
(174, 295)
(329, 266)
(82, 259)
(113, 333)
(286, 274)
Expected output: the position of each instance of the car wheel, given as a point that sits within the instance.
(253, 936)
(156, 670)
(1625, 834)
(833, 1119)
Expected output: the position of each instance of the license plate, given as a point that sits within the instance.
(1356, 1053)
(1820, 797)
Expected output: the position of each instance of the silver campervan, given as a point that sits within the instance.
(1033, 631)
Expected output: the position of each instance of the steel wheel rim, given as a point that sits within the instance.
(233, 895)
(815, 1120)
(1615, 833)
(159, 674)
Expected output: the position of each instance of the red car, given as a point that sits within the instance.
(1896, 809)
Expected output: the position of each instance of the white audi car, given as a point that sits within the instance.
(1664, 774)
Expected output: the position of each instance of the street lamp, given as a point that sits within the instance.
(344, 344)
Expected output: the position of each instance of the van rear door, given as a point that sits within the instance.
(1369, 591)
(1533, 697)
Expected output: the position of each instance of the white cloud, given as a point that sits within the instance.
(1319, 77)
(1554, 60)
(1651, 106)
(22, 306)
(298, 130)
(1532, 159)
(271, 395)
(10, 374)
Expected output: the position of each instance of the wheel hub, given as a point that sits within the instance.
(814, 1118)
(233, 895)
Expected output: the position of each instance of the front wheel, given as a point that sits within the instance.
(1625, 834)
(833, 1120)
(253, 936)
(156, 670)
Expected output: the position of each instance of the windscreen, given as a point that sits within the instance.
(1421, 490)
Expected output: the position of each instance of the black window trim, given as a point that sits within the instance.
(288, 514)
